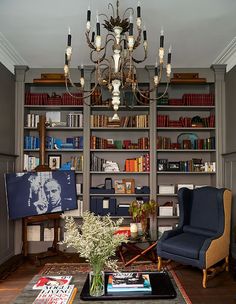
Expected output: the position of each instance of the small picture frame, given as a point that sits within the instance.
(119, 186)
(129, 185)
(54, 162)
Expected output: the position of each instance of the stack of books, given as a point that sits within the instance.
(128, 282)
(55, 289)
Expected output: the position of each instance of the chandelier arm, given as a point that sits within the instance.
(141, 60)
(138, 39)
(104, 48)
(89, 41)
(112, 7)
(102, 14)
(128, 9)
(81, 97)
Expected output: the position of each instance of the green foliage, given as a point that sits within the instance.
(141, 211)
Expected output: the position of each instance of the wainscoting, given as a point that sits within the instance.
(7, 165)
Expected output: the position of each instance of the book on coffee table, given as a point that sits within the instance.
(52, 281)
(128, 282)
(56, 295)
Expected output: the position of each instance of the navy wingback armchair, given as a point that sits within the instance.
(203, 235)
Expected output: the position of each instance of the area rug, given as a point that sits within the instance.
(79, 272)
(74, 268)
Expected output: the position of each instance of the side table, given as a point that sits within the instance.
(134, 247)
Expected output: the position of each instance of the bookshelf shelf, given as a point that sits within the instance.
(54, 107)
(121, 194)
(183, 172)
(56, 128)
(168, 217)
(55, 151)
(120, 150)
(184, 108)
(185, 150)
(118, 129)
(121, 172)
(121, 108)
(167, 194)
(177, 129)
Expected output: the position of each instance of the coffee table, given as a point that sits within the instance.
(162, 288)
(134, 247)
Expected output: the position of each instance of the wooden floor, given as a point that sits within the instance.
(221, 290)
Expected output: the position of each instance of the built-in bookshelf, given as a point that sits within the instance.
(182, 131)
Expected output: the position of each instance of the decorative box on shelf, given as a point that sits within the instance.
(189, 186)
(166, 211)
(167, 189)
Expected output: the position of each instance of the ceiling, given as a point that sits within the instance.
(35, 32)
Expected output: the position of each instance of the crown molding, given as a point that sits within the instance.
(9, 57)
(228, 56)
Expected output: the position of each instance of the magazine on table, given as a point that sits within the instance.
(52, 281)
(128, 282)
(56, 295)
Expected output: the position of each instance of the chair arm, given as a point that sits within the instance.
(170, 233)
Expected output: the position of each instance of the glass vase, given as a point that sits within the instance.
(96, 282)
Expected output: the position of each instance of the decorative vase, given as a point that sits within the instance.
(133, 230)
(96, 282)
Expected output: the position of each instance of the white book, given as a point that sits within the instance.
(26, 162)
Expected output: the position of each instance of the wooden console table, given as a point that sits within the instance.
(36, 219)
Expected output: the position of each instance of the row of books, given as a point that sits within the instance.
(103, 143)
(32, 120)
(190, 99)
(137, 121)
(46, 99)
(186, 122)
(74, 120)
(193, 165)
(75, 142)
(138, 164)
(30, 162)
(31, 142)
(101, 164)
(164, 142)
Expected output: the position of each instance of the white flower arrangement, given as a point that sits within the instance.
(95, 239)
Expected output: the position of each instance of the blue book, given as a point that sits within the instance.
(128, 282)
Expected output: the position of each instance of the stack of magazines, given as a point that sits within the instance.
(55, 289)
(128, 282)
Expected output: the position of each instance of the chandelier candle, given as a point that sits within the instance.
(117, 71)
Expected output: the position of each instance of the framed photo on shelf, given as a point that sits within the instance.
(129, 185)
(119, 186)
(54, 161)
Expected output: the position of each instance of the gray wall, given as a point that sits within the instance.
(7, 111)
(230, 155)
(230, 87)
(7, 159)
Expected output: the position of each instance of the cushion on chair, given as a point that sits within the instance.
(185, 244)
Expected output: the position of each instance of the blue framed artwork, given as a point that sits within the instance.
(35, 193)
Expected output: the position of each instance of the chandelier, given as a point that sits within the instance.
(118, 71)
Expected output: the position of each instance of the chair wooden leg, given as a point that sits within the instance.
(227, 263)
(204, 279)
(159, 265)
